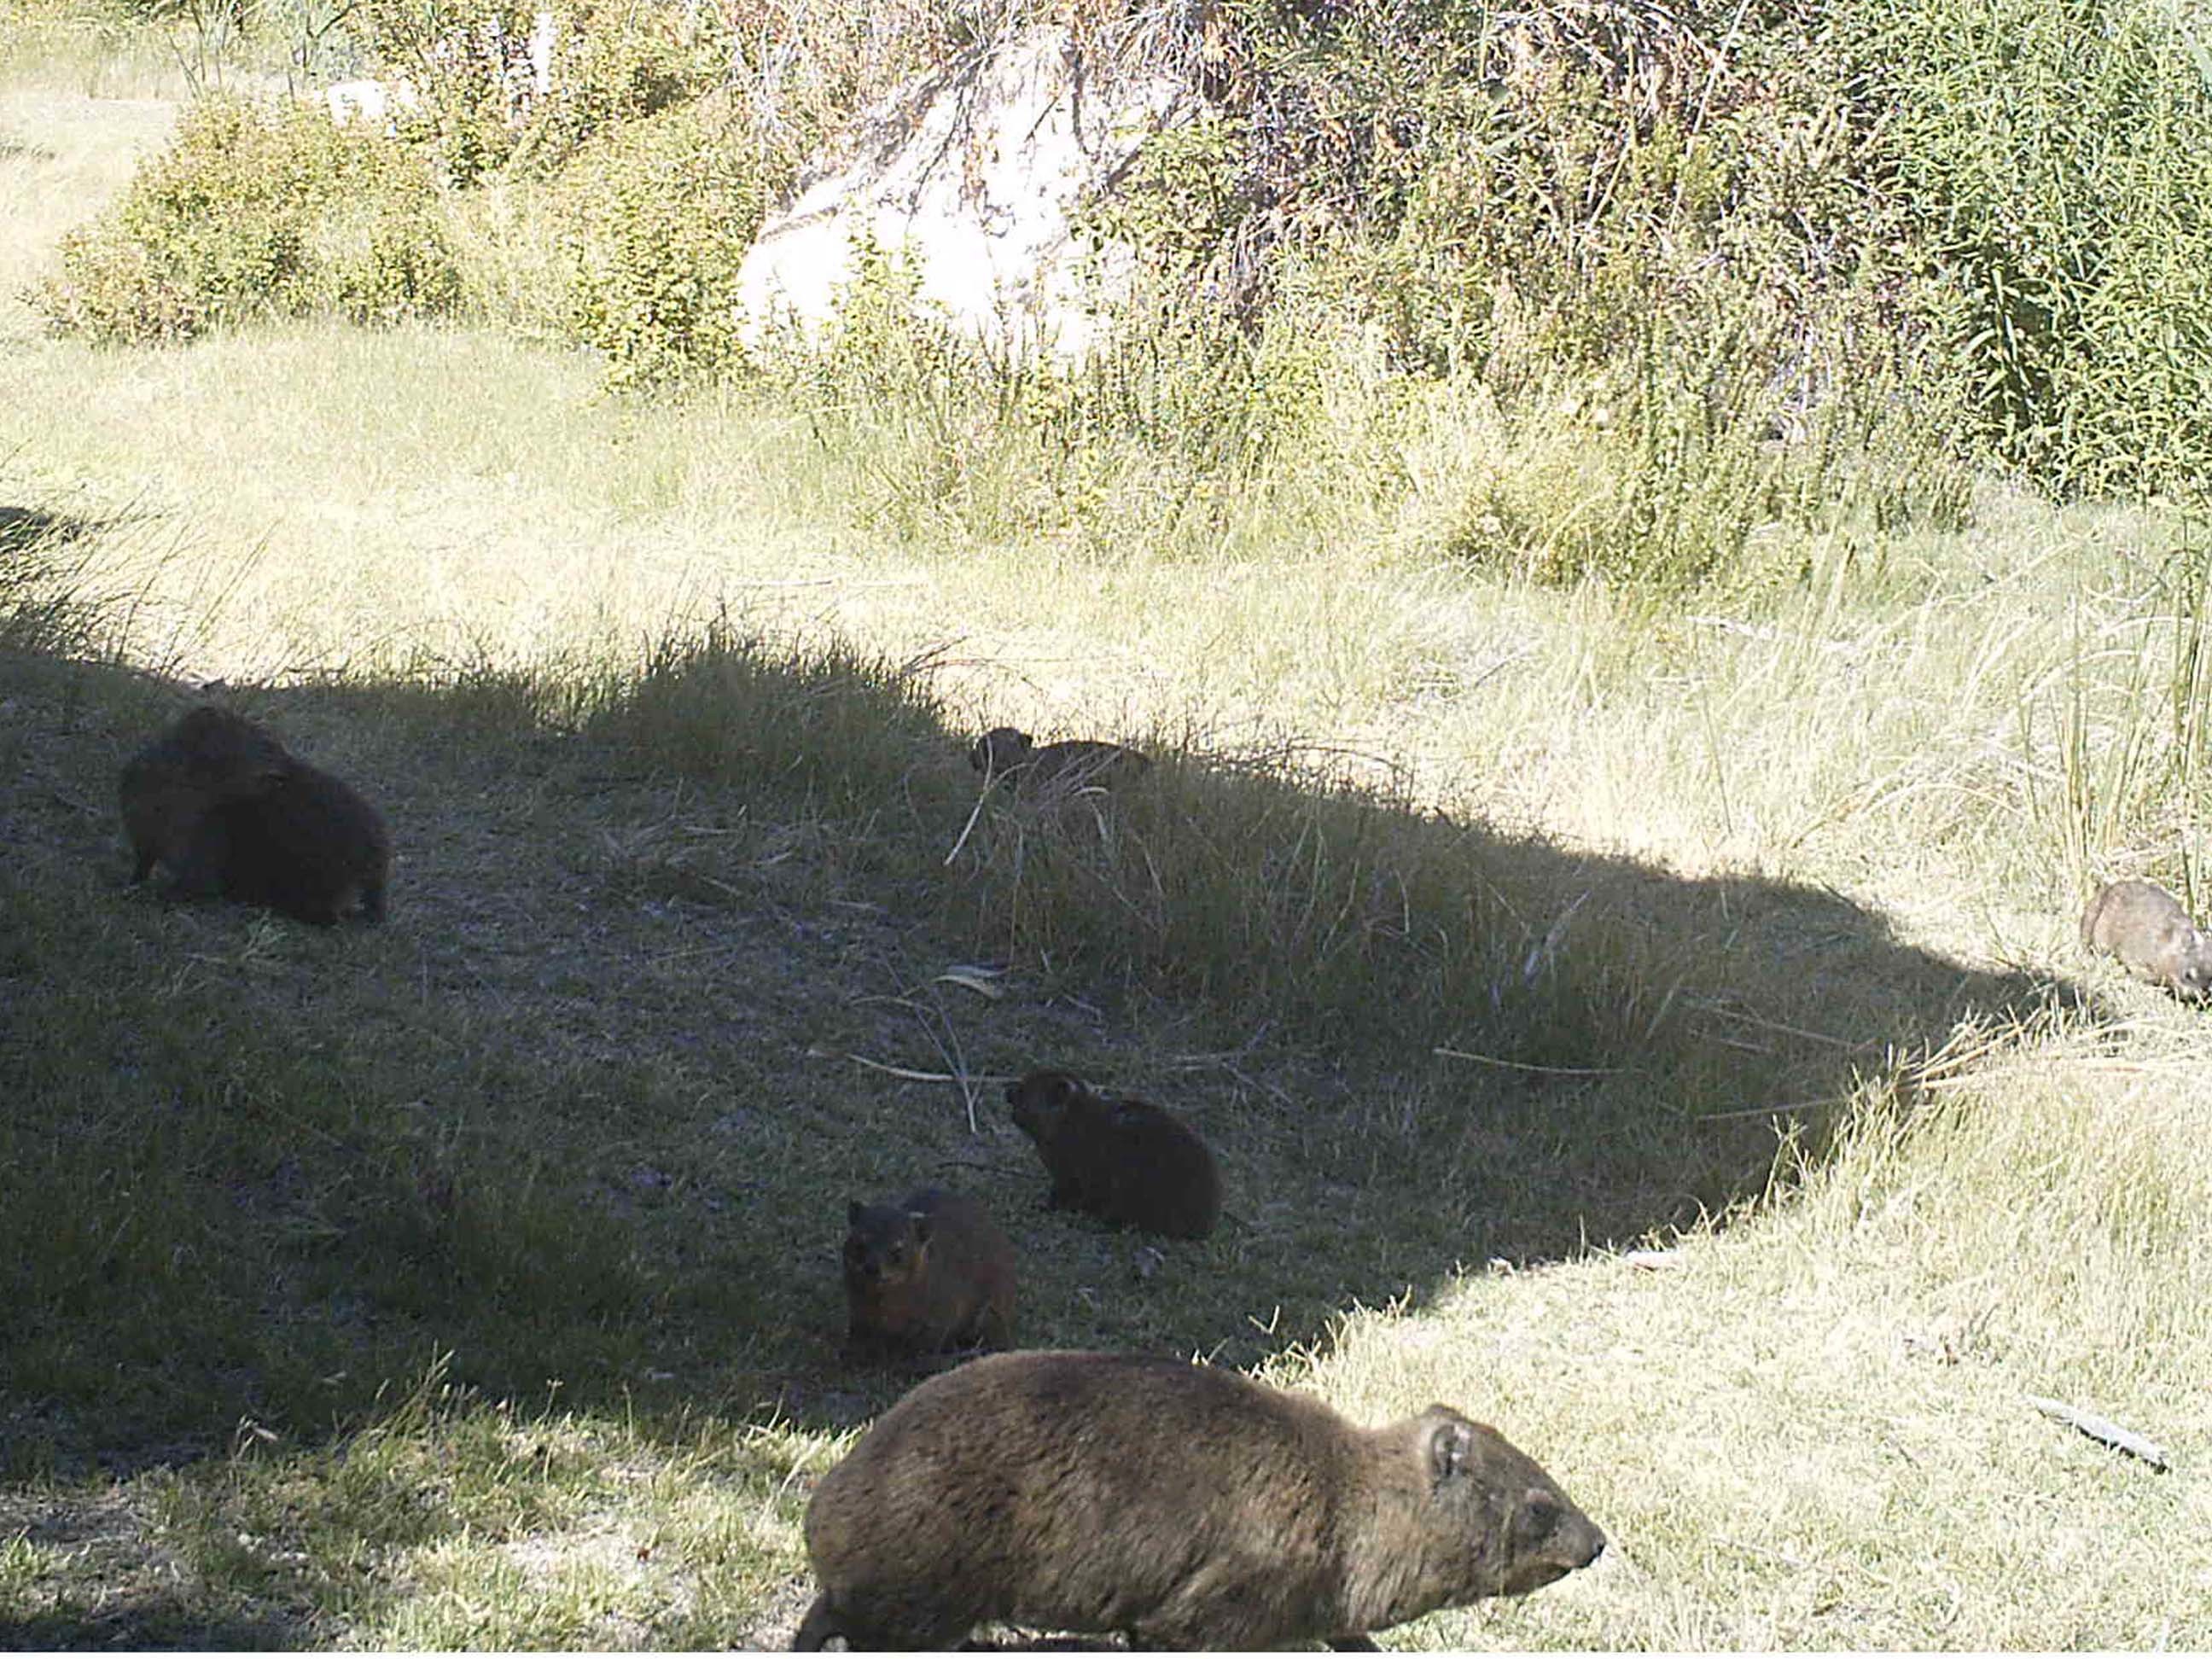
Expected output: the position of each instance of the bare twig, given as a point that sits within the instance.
(1524, 1066)
(1779, 1109)
(2105, 1430)
(969, 827)
(908, 1073)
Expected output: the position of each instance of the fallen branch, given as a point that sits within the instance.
(2105, 1430)
(1780, 1108)
(1524, 1066)
(900, 1071)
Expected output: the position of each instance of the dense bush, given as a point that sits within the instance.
(260, 209)
(2052, 159)
(610, 64)
(1701, 278)
(655, 219)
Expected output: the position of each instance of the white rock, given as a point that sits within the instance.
(971, 173)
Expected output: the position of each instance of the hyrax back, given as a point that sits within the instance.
(311, 847)
(1123, 1160)
(228, 809)
(209, 758)
(1005, 752)
(1184, 1504)
(926, 1272)
(2146, 928)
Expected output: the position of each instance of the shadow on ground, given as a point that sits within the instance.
(666, 982)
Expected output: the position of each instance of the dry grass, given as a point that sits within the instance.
(471, 1282)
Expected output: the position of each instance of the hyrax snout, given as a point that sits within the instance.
(2145, 926)
(1183, 1504)
(1005, 752)
(926, 1272)
(1122, 1160)
(221, 803)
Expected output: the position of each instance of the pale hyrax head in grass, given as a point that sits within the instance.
(2146, 928)
(926, 1272)
(1005, 752)
(1184, 1506)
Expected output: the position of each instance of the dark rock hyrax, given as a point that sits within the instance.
(1003, 752)
(209, 757)
(926, 1272)
(1123, 1160)
(2145, 926)
(226, 809)
(1186, 1506)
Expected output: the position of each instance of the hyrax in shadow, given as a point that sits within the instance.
(926, 1272)
(1122, 1160)
(1184, 1504)
(226, 809)
(2145, 926)
(1003, 752)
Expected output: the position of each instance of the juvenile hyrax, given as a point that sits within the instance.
(228, 809)
(2146, 928)
(1003, 752)
(1124, 1160)
(927, 1272)
(1183, 1504)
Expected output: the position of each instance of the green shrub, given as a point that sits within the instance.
(2051, 157)
(655, 219)
(612, 65)
(258, 210)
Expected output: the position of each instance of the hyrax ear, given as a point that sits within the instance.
(1451, 1446)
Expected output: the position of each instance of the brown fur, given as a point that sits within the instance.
(222, 805)
(1123, 1160)
(926, 1272)
(210, 757)
(1003, 752)
(1186, 1506)
(2145, 926)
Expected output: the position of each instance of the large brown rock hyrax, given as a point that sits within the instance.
(226, 809)
(2145, 926)
(1003, 752)
(1186, 1506)
(1123, 1160)
(926, 1272)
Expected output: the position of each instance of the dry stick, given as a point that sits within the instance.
(1524, 1066)
(1738, 1014)
(967, 828)
(911, 1075)
(1775, 1110)
(2103, 1429)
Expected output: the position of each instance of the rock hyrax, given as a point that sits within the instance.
(2145, 926)
(1186, 1506)
(1003, 752)
(228, 809)
(1123, 1160)
(210, 757)
(926, 1272)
